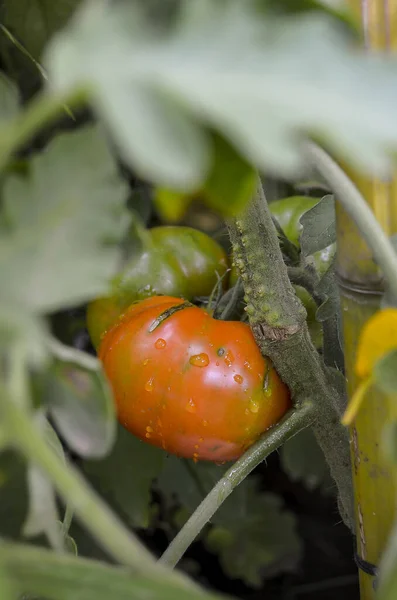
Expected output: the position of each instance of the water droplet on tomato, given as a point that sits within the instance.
(160, 344)
(199, 360)
(149, 429)
(147, 435)
(149, 385)
(217, 363)
(247, 412)
(195, 457)
(247, 365)
(205, 423)
(229, 358)
(253, 406)
(201, 440)
(145, 362)
(191, 406)
(238, 379)
(196, 447)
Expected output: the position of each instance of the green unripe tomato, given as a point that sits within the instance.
(178, 261)
(288, 212)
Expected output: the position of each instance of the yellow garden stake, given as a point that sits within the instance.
(361, 290)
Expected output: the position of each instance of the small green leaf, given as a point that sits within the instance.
(81, 403)
(385, 373)
(303, 460)
(64, 222)
(319, 227)
(42, 515)
(125, 476)
(254, 535)
(64, 577)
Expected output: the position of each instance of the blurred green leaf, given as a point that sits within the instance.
(125, 476)
(64, 223)
(254, 535)
(319, 226)
(9, 99)
(34, 21)
(19, 327)
(303, 460)
(65, 577)
(193, 72)
(385, 373)
(42, 516)
(81, 403)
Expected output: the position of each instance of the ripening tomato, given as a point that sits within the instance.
(179, 261)
(190, 384)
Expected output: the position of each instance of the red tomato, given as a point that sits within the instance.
(190, 384)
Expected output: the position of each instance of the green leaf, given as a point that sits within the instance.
(303, 460)
(328, 286)
(254, 535)
(385, 373)
(125, 476)
(81, 403)
(9, 99)
(34, 21)
(64, 223)
(42, 515)
(192, 73)
(319, 226)
(65, 577)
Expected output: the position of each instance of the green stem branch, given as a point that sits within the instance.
(358, 209)
(102, 523)
(292, 423)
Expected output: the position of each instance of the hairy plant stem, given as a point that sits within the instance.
(102, 523)
(295, 421)
(277, 320)
(358, 209)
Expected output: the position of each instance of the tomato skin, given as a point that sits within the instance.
(194, 386)
(180, 261)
